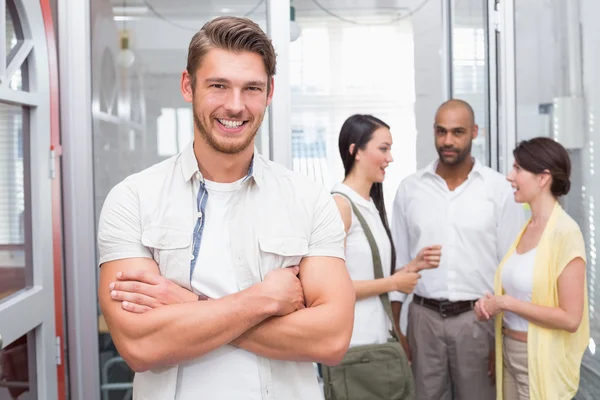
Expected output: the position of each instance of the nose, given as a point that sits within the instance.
(234, 104)
(511, 176)
(389, 158)
(448, 140)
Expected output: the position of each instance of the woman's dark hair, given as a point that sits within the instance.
(358, 130)
(542, 154)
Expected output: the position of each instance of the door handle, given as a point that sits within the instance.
(0, 341)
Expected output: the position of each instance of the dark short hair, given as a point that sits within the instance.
(232, 34)
(542, 154)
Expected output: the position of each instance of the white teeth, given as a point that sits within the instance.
(230, 124)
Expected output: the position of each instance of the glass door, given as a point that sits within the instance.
(28, 356)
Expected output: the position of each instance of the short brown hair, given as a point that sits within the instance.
(544, 154)
(233, 34)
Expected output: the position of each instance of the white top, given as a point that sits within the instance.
(214, 276)
(371, 324)
(276, 218)
(475, 223)
(517, 281)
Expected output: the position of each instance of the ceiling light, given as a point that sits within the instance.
(125, 10)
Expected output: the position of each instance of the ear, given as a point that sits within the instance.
(270, 94)
(186, 87)
(475, 131)
(351, 149)
(545, 178)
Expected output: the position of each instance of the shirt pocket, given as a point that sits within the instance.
(281, 252)
(170, 248)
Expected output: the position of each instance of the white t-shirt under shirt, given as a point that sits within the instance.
(517, 281)
(214, 276)
(371, 324)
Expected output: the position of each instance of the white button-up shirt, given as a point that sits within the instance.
(475, 223)
(278, 218)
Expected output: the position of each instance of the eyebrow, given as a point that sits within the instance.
(387, 144)
(227, 81)
(458, 128)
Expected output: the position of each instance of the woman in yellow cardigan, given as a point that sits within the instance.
(540, 300)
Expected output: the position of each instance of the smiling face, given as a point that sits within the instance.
(229, 98)
(376, 156)
(527, 185)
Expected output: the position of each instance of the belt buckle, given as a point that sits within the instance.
(442, 307)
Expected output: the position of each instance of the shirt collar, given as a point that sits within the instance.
(189, 165)
(430, 169)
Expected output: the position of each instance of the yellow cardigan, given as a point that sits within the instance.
(554, 356)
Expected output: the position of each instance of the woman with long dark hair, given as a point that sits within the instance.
(365, 143)
(540, 300)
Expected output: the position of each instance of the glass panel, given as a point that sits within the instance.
(339, 69)
(13, 33)
(15, 374)
(14, 39)
(552, 76)
(140, 117)
(13, 263)
(19, 79)
(469, 67)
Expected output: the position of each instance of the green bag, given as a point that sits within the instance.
(375, 371)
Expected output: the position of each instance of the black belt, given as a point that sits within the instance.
(444, 307)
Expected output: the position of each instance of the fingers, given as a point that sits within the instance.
(132, 287)
(295, 269)
(489, 296)
(139, 276)
(135, 298)
(134, 308)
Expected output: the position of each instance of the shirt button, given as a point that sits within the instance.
(191, 257)
(199, 214)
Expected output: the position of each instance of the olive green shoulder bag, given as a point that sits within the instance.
(374, 371)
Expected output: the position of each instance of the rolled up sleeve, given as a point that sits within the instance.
(327, 236)
(119, 227)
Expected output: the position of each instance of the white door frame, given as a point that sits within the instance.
(503, 19)
(31, 311)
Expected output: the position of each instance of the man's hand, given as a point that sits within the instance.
(405, 281)
(283, 286)
(428, 258)
(140, 291)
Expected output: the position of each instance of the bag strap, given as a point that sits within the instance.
(377, 268)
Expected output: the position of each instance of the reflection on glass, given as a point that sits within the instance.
(14, 37)
(12, 201)
(14, 371)
(469, 67)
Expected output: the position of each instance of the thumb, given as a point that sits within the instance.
(295, 269)
(488, 295)
(418, 275)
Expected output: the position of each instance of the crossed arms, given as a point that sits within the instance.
(308, 317)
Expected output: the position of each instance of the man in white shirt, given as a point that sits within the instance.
(264, 244)
(469, 210)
